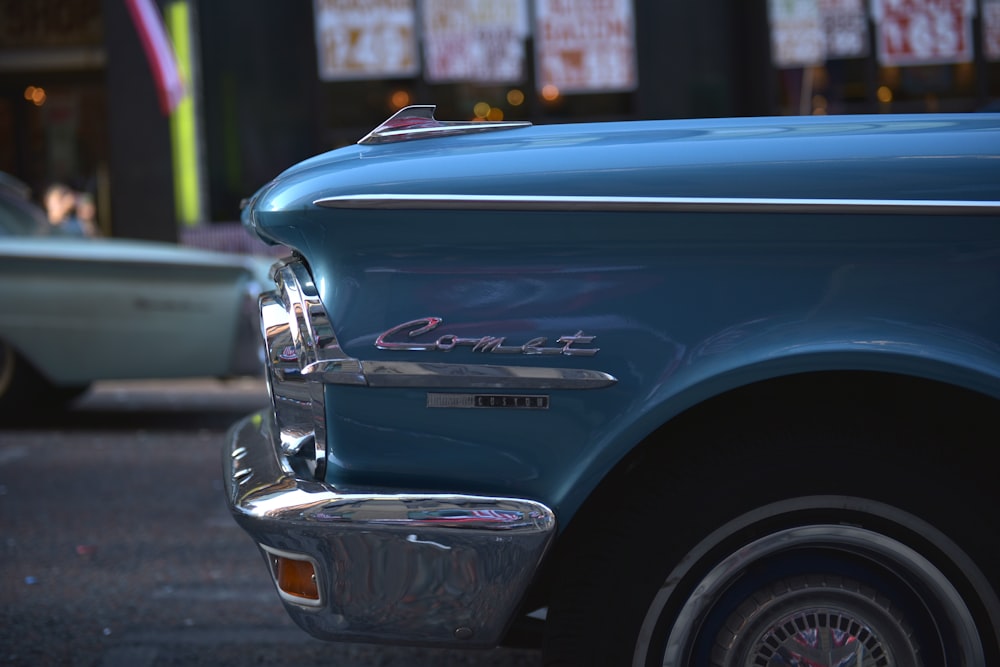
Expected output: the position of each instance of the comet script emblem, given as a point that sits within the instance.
(402, 337)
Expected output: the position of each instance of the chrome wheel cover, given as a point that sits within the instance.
(815, 637)
(816, 622)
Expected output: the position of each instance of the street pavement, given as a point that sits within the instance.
(118, 549)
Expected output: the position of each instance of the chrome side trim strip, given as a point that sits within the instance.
(475, 376)
(418, 122)
(662, 204)
(408, 374)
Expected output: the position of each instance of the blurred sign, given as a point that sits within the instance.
(924, 32)
(365, 39)
(584, 46)
(845, 28)
(797, 35)
(50, 23)
(991, 29)
(805, 33)
(480, 41)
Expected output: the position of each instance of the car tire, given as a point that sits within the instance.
(19, 383)
(25, 392)
(754, 570)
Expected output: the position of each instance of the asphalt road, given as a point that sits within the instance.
(118, 549)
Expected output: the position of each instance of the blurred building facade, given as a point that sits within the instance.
(78, 102)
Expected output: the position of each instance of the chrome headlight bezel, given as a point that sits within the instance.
(299, 341)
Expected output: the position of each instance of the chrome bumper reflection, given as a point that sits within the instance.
(408, 568)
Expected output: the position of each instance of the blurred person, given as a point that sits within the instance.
(62, 205)
(58, 201)
(86, 213)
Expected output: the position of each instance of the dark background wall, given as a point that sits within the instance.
(260, 90)
(142, 205)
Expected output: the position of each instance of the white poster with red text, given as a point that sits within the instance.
(797, 35)
(585, 46)
(923, 32)
(806, 33)
(475, 41)
(366, 39)
(991, 30)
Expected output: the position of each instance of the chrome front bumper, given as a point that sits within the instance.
(390, 567)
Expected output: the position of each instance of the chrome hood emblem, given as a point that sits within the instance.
(402, 337)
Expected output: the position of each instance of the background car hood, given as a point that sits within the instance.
(47, 248)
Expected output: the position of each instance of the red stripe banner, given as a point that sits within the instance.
(162, 61)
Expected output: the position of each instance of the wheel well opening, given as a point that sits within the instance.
(913, 434)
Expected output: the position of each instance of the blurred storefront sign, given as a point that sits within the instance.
(845, 27)
(50, 23)
(924, 32)
(366, 39)
(807, 33)
(797, 37)
(991, 30)
(477, 41)
(51, 35)
(585, 46)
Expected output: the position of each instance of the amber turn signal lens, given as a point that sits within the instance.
(296, 577)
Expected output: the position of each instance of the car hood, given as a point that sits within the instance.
(867, 158)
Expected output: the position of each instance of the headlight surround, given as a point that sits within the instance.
(299, 345)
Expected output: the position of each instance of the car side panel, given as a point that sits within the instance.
(681, 309)
(79, 320)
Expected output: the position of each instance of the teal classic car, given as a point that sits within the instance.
(78, 310)
(689, 392)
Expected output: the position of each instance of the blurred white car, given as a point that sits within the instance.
(76, 310)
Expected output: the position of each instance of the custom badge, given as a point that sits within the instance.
(509, 401)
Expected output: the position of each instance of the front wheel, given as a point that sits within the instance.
(806, 591)
(817, 581)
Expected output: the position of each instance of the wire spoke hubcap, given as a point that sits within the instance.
(819, 638)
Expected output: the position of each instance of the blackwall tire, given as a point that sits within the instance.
(19, 384)
(7, 370)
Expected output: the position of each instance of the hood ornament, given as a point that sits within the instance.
(418, 122)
